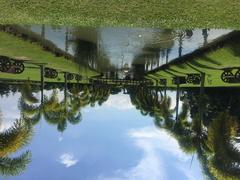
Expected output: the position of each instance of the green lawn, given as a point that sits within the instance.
(17, 48)
(209, 61)
(134, 13)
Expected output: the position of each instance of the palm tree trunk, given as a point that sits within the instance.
(180, 43)
(205, 36)
(67, 40)
(151, 64)
(43, 32)
(167, 55)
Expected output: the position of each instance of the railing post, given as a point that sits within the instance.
(201, 96)
(42, 81)
(65, 84)
(177, 97)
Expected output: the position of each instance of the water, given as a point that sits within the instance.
(118, 103)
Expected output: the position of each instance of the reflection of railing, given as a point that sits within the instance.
(9, 65)
(129, 82)
(189, 79)
(229, 77)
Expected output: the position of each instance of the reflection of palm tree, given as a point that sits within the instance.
(87, 49)
(10, 141)
(181, 34)
(163, 43)
(205, 36)
(67, 39)
(43, 32)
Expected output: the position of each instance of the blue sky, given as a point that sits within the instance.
(112, 142)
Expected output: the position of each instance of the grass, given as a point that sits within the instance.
(31, 36)
(135, 13)
(17, 48)
(225, 52)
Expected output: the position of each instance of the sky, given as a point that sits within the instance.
(112, 142)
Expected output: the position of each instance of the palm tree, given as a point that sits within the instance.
(12, 140)
(152, 102)
(30, 109)
(225, 158)
(27, 93)
(14, 166)
(16, 137)
(205, 36)
(43, 32)
(67, 39)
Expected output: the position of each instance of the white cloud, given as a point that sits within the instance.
(149, 167)
(152, 142)
(119, 101)
(9, 111)
(159, 139)
(7, 123)
(68, 160)
(4, 125)
(60, 138)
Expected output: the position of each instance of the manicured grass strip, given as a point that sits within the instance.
(17, 48)
(209, 62)
(135, 13)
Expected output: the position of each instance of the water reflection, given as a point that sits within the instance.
(110, 96)
(121, 45)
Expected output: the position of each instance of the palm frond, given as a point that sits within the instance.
(14, 166)
(15, 137)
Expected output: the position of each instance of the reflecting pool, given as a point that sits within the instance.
(119, 103)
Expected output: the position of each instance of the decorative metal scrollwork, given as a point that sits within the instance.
(163, 81)
(50, 73)
(227, 76)
(179, 80)
(11, 66)
(237, 75)
(193, 78)
(78, 77)
(5, 64)
(69, 76)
